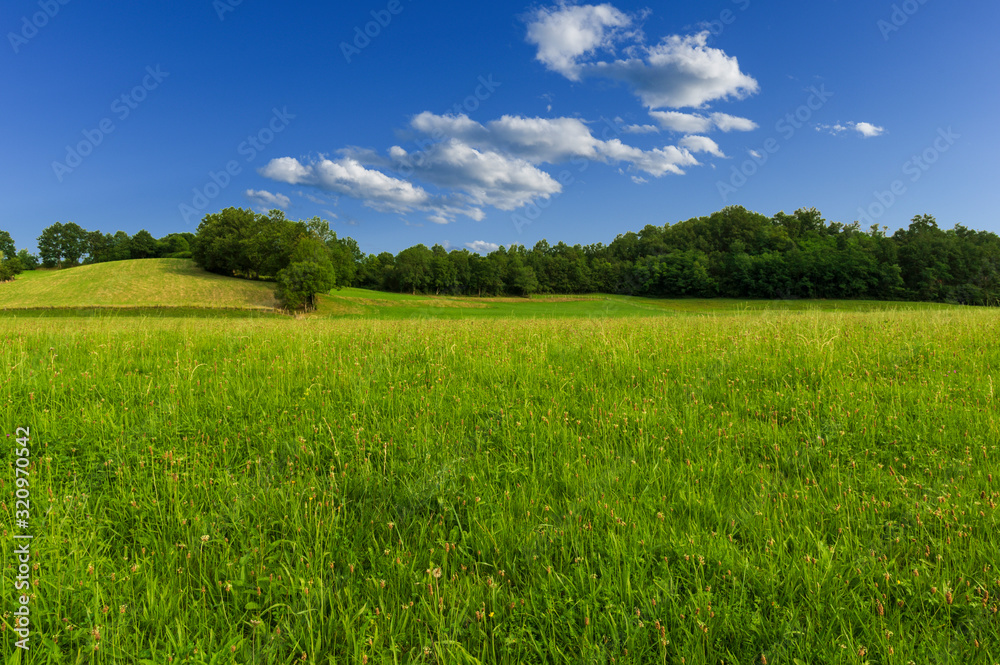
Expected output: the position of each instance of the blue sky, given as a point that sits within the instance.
(480, 124)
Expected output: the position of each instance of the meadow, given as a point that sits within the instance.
(752, 486)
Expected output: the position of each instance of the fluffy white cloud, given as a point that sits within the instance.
(688, 123)
(680, 71)
(376, 189)
(482, 247)
(694, 123)
(566, 33)
(267, 199)
(701, 144)
(732, 123)
(485, 177)
(866, 129)
(550, 140)
(350, 177)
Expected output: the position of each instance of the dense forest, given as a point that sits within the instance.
(733, 253)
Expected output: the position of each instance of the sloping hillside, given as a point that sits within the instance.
(139, 283)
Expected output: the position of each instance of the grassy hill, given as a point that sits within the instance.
(134, 284)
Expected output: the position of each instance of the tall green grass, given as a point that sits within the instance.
(783, 487)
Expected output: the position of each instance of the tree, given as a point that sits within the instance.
(242, 243)
(9, 268)
(413, 269)
(309, 273)
(7, 250)
(346, 258)
(218, 246)
(28, 261)
(121, 247)
(444, 275)
(520, 279)
(62, 245)
(144, 245)
(175, 245)
(99, 247)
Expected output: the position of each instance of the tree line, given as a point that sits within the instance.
(67, 245)
(732, 253)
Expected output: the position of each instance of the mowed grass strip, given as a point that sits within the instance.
(808, 487)
(134, 284)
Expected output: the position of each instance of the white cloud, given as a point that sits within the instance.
(641, 129)
(680, 71)
(869, 130)
(376, 189)
(267, 199)
(485, 177)
(732, 123)
(656, 162)
(482, 247)
(754, 154)
(348, 176)
(550, 140)
(693, 123)
(566, 33)
(639, 180)
(315, 199)
(866, 129)
(676, 121)
(701, 144)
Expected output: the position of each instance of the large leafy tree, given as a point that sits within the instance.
(144, 245)
(62, 245)
(242, 243)
(219, 243)
(413, 270)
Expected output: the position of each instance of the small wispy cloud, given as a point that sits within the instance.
(866, 129)
(482, 247)
(314, 199)
(267, 199)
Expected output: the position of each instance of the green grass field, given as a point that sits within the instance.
(791, 487)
